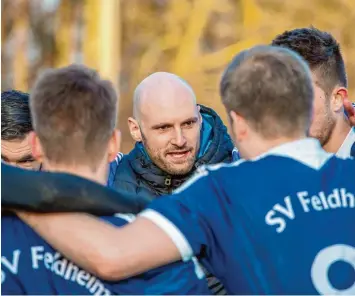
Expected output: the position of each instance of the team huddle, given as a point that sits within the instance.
(268, 208)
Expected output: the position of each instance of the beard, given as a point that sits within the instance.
(325, 130)
(179, 167)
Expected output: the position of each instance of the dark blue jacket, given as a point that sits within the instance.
(137, 174)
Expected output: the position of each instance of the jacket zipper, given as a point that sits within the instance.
(168, 184)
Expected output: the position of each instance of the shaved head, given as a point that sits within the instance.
(157, 88)
(167, 121)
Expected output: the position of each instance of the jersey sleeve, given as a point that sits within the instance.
(185, 215)
(118, 219)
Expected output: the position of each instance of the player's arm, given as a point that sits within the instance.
(110, 252)
(60, 192)
(148, 242)
(350, 110)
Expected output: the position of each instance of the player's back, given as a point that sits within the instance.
(287, 226)
(281, 224)
(30, 266)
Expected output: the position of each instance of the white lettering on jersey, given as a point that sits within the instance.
(37, 255)
(339, 198)
(285, 211)
(336, 199)
(288, 210)
(271, 220)
(304, 202)
(323, 261)
(13, 265)
(66, 269)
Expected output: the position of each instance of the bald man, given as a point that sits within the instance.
(174, 136)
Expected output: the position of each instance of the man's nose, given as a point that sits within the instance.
(179, 138)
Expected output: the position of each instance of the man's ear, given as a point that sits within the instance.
(339, 95)
(114, 145)
(134, 129)
(200, 118)
(36, 147)
(239, 126)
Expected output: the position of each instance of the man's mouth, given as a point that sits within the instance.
(179, 155)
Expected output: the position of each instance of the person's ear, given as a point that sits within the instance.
(200, 118)
(134, 129)
(339, 95)
(239, 125)
(36, 146)
(114, 145)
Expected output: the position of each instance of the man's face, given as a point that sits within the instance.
(323, 118)
(18, 153)
(171, 135)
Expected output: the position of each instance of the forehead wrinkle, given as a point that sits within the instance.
(18, 152)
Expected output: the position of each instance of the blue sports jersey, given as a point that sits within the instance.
(281, 224)
(30, 266)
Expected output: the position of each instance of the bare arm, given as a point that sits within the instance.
(107, 251)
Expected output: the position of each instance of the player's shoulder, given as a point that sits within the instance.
(278, 162)
(264, 169)
(340, 162)
(243, 168)
(17, 233)
(242, 171)
(341, 165)
(11, 223)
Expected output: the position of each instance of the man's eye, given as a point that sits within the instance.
(189, 123)
(164, 127)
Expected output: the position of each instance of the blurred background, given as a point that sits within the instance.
(126, 40)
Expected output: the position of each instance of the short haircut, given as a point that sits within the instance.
(15, 115)
(322, 53)
(74, 115)
(270, 87)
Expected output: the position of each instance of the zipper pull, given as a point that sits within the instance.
(168, 181)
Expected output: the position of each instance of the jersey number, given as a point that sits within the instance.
(321, 264)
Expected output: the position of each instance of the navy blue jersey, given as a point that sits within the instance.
(30, 266)
(281, 224)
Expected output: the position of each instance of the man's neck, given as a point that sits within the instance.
(261, 146)
(338, 136)
(81, 171)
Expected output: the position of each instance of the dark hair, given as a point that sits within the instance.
(322, 53)
(270, 87)
(74, 115)
(15, 115)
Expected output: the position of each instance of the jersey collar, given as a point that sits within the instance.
(307, 151)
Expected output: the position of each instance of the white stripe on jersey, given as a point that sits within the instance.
(172, 231)
(128, 217)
